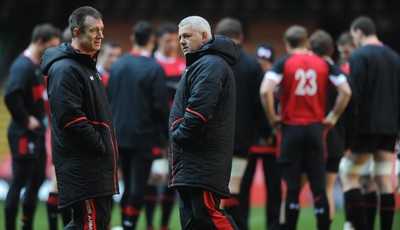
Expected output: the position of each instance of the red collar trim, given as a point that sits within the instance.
(140, 53)
(29, 55)
(90, 53)
(374, 44)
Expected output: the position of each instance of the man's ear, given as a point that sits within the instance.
(76, 32)
(288, 47)
(204, 36)
(132, 38)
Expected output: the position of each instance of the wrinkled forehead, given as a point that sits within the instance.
(91, 22)
(185, 29)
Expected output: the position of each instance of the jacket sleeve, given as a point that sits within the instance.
(65, 95)
(18, 87)
(206, 82)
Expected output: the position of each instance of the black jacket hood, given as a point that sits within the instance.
(220, 45)
(65, 50)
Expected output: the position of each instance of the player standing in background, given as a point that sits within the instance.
(263, 148)
(303, 77)
(375, 78)
(24, 98)
(174, 66)
(321, 43)
(137, 95)
(345, 46)
(248, 76)
(109, 53)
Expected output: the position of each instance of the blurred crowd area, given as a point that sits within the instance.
(263, 20)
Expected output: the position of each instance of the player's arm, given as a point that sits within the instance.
(18, 86)
(270, 81)
(342, 99)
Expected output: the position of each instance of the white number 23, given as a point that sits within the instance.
(307, 82)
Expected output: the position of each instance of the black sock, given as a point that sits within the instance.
(10, 218)
(371, 204)
(122, 204)
(132, 211)
(150, 202)
(321, 210)
(387, 206)
(167, 202)
(292, 209)
(130, 217)
(28, 211)
(355, 208)
(232, 207)
(52, 210)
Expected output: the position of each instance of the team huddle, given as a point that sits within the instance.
(195, 128)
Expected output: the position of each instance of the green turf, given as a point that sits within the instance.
(257, 219)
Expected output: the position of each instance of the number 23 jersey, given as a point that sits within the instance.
(303, 79)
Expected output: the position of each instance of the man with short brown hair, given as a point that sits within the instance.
(83, 135)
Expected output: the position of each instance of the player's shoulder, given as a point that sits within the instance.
(281, 61)
(391, 52)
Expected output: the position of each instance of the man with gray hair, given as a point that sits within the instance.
(202, 126)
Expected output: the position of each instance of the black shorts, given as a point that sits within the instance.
(301, 142)
(335, 143)
(373, 143)
(302, 150)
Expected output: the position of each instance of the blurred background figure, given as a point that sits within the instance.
(263, 148)
(321, 43)
(345, 46)
(174, 66)
(303, 77)
(248, 76)
(138, 100)
(265, 55)
(374, 69)
(109, 53)
(24, 96)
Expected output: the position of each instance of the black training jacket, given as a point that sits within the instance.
(84, 145)
(249, 111)
(375, 81)
(24, 96)
(137, 94)
(202, 119)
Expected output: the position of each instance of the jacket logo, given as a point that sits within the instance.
(99, 76)
(91, 78)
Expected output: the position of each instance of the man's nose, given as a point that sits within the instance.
(182, 41)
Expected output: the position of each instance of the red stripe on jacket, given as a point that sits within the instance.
(74, 121)
(196, 113)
